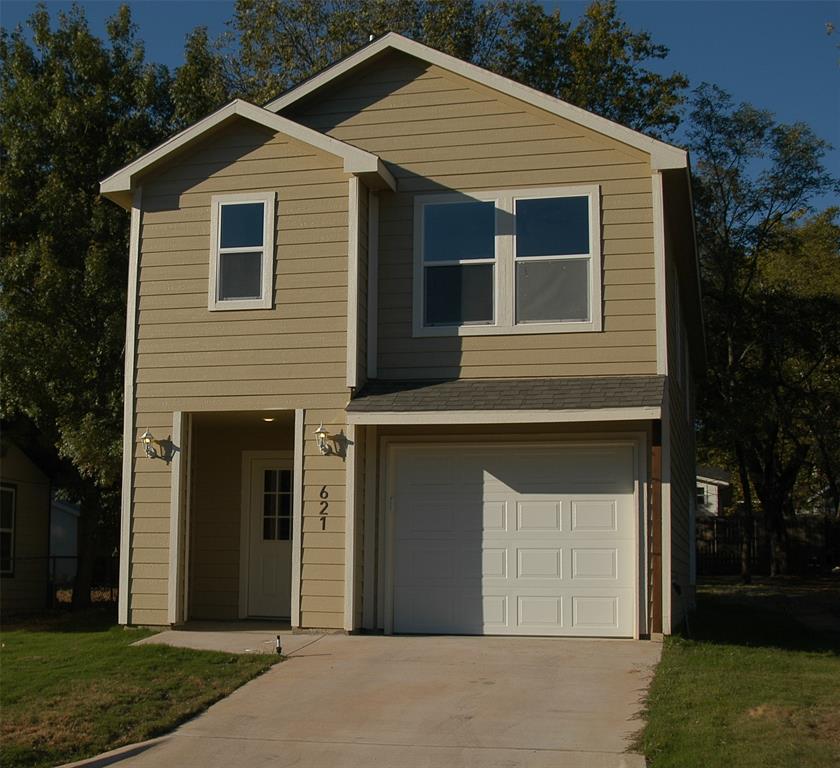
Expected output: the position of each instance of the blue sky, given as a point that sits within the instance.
(776, 55)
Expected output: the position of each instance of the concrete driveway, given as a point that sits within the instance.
(406, 702)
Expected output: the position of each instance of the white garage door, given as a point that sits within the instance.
(514, 540)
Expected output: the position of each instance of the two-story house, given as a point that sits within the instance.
(410, 349)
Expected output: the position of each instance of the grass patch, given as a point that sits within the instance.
(756, 686)
(71, 687)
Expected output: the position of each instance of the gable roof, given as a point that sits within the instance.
(662, 155)
(117, 187)
(715, 474)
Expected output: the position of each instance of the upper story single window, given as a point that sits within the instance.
(8, 502)
(514, 261)
(241, 251)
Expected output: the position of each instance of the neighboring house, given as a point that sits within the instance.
(485, 303)
(64, 548)
(24, 532)
(714, 491)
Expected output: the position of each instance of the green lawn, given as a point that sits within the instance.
(757, 684)
(71, 687)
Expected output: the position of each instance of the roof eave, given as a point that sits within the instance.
(118, 186)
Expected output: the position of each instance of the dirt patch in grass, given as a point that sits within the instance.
(755, 687)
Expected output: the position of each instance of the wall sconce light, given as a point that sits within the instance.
(322, 438)
(149, 441)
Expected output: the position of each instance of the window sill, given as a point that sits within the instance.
(226, 306)
(506, 330)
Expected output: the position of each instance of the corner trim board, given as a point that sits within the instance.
(175, 518)
(297, 516)
(353, 281)
(128, 407)
(373, 286)
(350, 529)
(369, 549)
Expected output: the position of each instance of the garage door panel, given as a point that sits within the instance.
(536, 515)
(595, 563)
(459, 512)
(544, 545)
(539, 563)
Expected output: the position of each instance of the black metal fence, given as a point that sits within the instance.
(813, 545)
(60, 583)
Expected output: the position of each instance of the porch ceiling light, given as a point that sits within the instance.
(268, 419)
(322, 439)
(149, 441)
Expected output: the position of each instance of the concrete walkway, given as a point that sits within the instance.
(232, 637)
(435, 702)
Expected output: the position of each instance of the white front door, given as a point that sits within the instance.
(526, 540)
(270, 538)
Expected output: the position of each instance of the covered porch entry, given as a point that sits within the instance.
(234, 491)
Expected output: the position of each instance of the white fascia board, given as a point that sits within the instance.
(712, 481)
(505, 417)
(662, 155)
(356, 161)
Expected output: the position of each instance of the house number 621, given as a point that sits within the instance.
(324, 494)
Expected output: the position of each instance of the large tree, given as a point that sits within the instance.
(72, 109)
(770, 344)
(599, 64)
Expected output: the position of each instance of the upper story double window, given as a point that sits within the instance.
(515, 261)
(241, 251)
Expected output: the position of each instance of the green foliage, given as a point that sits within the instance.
(606, 76)
(772, 341)
(202, 83)
(74, 108)
(598, 65)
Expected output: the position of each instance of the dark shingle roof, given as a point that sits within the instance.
(714, 473)
(572, 393)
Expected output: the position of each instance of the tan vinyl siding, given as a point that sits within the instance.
(192, 360)
(440, 132)
(682, 455)
(322, 559)
(26, 589)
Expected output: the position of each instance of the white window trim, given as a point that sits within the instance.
(265, 301)
(504, 277)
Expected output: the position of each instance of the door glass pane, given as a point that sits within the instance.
(285, 504)
(240, 275)
(285, 480)
(270, 505)
(459, 231)
(285, 529)
(270, 480)
(269, 528)
(552, 226)
(459, 294)
(552, 290)
(241, 225)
